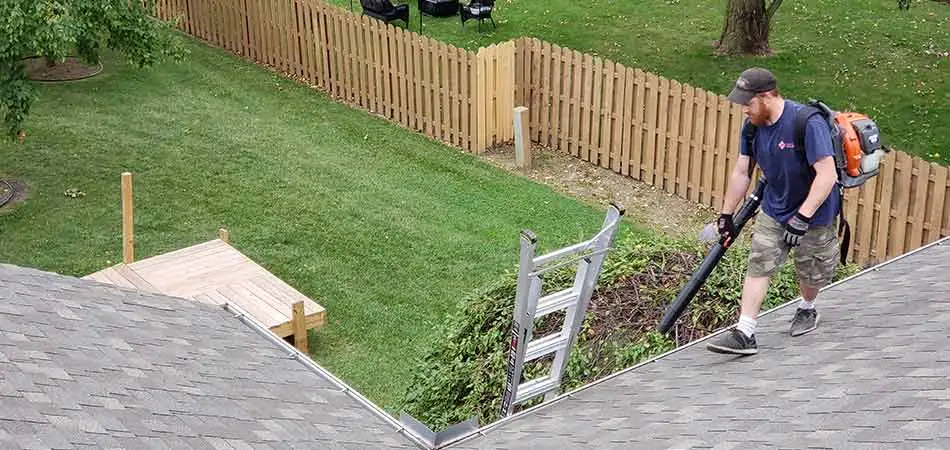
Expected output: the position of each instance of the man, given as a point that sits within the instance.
(797, 210)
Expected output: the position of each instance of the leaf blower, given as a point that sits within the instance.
(746, 212)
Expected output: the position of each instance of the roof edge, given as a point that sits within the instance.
(484, 429)
(312, 365)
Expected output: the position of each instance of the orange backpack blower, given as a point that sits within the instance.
(856, 140)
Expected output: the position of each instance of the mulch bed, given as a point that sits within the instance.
(71, 69)
(12, 192)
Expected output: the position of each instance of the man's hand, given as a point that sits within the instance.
(795, 229)
(727, 229)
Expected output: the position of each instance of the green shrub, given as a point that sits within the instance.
(464, 372)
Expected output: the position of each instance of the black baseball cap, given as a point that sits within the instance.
(750, 83)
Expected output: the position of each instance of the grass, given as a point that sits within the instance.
(866, 57)
(383, 227)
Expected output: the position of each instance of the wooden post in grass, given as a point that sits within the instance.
(299, 323)
(223, 234)
(128, 239)
(522, 139)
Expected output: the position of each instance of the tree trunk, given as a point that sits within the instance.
(746, 28)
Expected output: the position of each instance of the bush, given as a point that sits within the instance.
(463, 374)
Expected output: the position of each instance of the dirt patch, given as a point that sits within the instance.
(12, 193)
(70, 69)
(645, 204)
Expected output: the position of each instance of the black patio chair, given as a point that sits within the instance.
(477, 10)
(384, 10)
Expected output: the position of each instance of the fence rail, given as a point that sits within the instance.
(677, 137)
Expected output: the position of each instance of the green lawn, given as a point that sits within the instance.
(865, 56)
(382, 226)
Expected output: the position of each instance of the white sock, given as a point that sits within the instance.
(746, 325)
(805, 304)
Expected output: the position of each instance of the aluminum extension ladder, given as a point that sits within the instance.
(529, 306)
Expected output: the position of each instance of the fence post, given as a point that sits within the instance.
(128, 239)
(299, 322)
(522, 138)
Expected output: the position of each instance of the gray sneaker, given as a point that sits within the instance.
(804, 321)
(735, 342)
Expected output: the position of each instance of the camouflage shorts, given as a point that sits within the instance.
(816, 257)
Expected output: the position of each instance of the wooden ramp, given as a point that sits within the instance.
(216, 273)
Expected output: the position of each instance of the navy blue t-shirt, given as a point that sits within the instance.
(789, 178)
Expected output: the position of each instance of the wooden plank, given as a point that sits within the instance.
(696, 145)
(544, 105)
(606, 114)
(418, 79)
(587, 106)
(557, 139)
(902, 186)
(616, 141)
(864, 222)
(649, 128)
(508, 92)
(428, 86)
(285, 294)
(466, 70)
(639, 99)
(577, 77)
(883, 201)
(626, 143)
(133, 277)
(662, 117)
(918, 204)
(721, 166)
(936, 206)
(596, 109)
(110, 276)
(708, 148)
(300, 328)
(128, 222)
(172, 257)
(537, 88)
(455, 89)
(247, 301)
(686, 155)
(672, 137)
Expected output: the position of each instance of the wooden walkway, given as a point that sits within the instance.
(216, 273)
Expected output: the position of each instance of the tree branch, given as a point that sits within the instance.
(772, 8)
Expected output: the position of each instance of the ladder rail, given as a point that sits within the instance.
(529, 305)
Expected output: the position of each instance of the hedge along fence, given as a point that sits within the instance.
(674, 136)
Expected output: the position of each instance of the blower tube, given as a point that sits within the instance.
(745, 213)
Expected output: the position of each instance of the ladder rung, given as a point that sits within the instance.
(556, 301)
(545, 345)
(535, 387)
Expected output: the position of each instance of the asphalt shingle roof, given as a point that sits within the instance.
(89, 365)
(875, 375)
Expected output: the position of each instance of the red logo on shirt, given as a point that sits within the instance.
(782, 145)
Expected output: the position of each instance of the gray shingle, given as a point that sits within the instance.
(88, 365)
(875, 375)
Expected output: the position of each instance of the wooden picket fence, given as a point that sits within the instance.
(679, 138)
(450, 94)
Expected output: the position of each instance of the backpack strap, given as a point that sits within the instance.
(748, 134)
(801, 122)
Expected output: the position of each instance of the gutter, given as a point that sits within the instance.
(309, 363)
